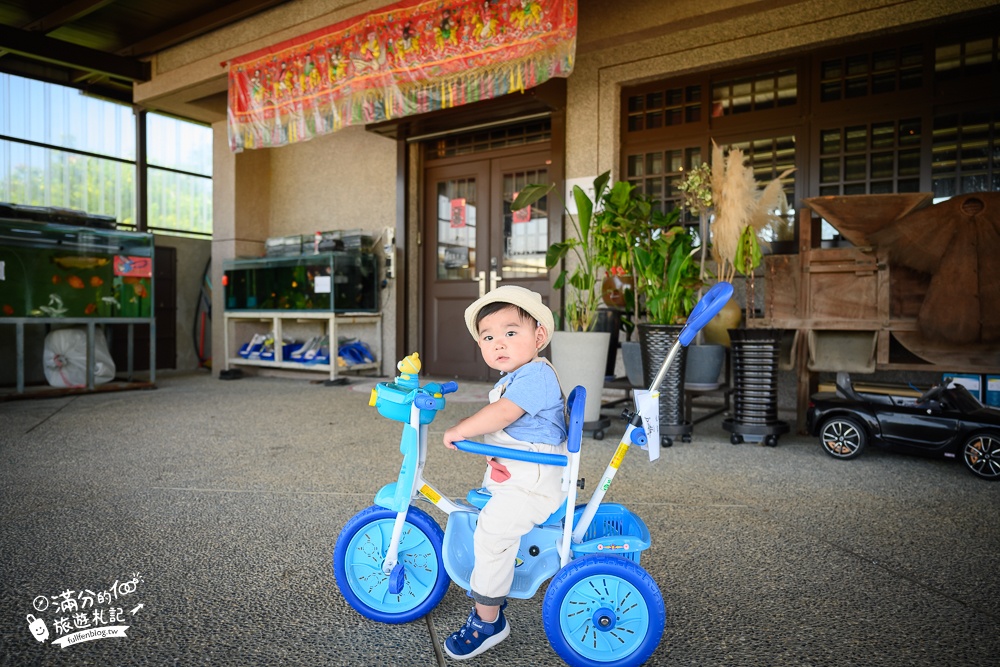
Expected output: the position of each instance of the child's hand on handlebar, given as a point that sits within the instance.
(451, 435)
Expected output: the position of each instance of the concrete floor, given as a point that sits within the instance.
(216, 505)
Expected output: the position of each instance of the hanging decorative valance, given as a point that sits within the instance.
(411, 57)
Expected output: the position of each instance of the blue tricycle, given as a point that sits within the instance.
(393, 563)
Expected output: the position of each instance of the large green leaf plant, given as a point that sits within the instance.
(656, 251)
(583, 293)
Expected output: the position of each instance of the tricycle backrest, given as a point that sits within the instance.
(574, 428)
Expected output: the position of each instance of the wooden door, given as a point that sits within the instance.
(472, 243)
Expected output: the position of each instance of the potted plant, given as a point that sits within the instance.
(742, 212)
(659, 255)
(667, 284)
(578, 340)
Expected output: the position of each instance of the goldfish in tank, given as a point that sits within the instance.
(55, 279)
(8, 309)
(75, 262)
(56, 308)
(95, 281)
(140, 290)
(89, 310)
(75, 282)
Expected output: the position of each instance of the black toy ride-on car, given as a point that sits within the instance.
(946, 420)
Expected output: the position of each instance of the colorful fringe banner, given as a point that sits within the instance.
(411, 57)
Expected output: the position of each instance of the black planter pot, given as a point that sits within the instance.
(755, 354)
(655, 341)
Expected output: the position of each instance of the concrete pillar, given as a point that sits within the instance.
(241, 205)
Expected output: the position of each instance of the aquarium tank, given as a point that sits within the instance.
(327, 281)
(49, 269)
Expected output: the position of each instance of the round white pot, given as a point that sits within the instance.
(579, 358)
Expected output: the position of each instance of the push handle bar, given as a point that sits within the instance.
(707, 308)
(473, 447)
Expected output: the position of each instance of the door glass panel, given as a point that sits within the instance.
(525, 232)
(456, 229)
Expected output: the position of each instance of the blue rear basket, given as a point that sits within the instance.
(614, 531)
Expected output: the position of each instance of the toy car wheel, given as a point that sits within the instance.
(599, 435)
(736, 439)
(771, 441)
(843, 437)
(360, 552)
(666, 442)
(603, 610)
(981, 454)
(685, 438)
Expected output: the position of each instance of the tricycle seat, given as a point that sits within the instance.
(479, 497)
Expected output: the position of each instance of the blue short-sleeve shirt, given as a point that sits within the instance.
(534, 388)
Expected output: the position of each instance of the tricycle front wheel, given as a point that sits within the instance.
(360, 552)
(603, 610)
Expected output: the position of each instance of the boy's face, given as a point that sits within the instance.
(507, 341)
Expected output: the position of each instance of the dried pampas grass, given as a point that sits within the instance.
(738, 204)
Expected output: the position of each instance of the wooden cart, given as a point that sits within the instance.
(849, 307)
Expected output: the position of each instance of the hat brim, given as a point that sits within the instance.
(515, 295)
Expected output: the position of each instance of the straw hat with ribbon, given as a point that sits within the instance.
(515, 295)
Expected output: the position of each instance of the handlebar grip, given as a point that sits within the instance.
(707, 308)
(449, 387)
(424, 402)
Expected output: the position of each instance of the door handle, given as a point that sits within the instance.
(481, 279)
(494, 279)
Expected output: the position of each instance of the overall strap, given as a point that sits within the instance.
(561, 392)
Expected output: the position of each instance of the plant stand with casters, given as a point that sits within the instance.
(755, 373)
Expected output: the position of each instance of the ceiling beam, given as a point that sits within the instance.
(213, 20)
(47, 49)
(69, 12)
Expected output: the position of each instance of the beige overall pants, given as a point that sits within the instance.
(529, 497)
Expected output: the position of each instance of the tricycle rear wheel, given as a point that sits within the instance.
(360, 552)
(603, 611)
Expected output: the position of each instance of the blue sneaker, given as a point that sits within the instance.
(465, 644)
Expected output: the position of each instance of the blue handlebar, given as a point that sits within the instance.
(707, 308)
(425, 402)
(473, 447)
(449, 387)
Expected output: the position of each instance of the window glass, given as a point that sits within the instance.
(965, 153)
(179, 202)
(178, 144)
(64, 149)
(65, 117)
(39, 176)
(526, 232)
